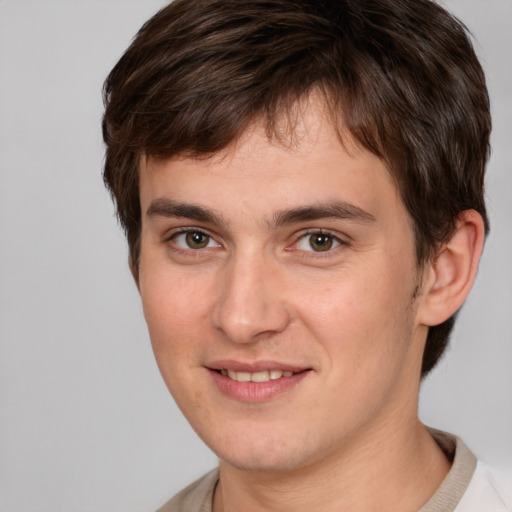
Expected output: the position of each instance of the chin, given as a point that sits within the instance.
(267, 454)
(264, 463)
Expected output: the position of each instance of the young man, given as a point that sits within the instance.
(301, 185)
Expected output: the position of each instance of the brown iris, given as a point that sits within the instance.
(320, 242)
(197, 240)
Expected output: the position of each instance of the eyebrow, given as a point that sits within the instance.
(168, 208)
(334, 209)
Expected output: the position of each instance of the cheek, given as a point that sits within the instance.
(361, 318)
(175, 308)
(175, 317)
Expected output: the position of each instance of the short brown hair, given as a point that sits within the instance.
(400, 75)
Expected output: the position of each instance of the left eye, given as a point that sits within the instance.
(318, 242)
(194, 240)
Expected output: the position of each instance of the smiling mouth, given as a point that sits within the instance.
(258, 381)
(263, 376)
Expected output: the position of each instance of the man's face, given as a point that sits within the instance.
(268, 260)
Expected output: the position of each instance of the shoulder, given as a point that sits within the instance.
(470, 485)
(197, 497)
(489, 489)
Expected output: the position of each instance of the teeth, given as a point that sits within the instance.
(260, 377)
(264, 376)
(243, 376)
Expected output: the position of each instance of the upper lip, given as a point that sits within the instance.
(255, 366)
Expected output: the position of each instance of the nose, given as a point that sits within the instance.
(250, 303)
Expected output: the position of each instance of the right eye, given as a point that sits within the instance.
(194, 240)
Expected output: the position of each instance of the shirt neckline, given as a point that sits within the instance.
(453, 487)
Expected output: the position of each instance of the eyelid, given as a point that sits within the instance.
(341, 241)
(172, 234)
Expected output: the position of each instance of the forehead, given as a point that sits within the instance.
(305, 163)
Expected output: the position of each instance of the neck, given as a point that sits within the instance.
(390, 469)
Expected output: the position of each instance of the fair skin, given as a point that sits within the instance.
(271, 259)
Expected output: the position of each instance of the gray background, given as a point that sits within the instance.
(85, 422)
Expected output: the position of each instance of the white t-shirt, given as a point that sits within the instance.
(488, 490)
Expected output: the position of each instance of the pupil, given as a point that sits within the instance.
(196, 240)
(321, 242)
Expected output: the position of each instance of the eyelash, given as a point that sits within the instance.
(340, 243)
(189, 250)
(306, 253)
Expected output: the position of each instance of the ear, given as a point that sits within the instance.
(449, 277)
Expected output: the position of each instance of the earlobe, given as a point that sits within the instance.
(450, 276)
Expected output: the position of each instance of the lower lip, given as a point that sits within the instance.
(256, 391)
